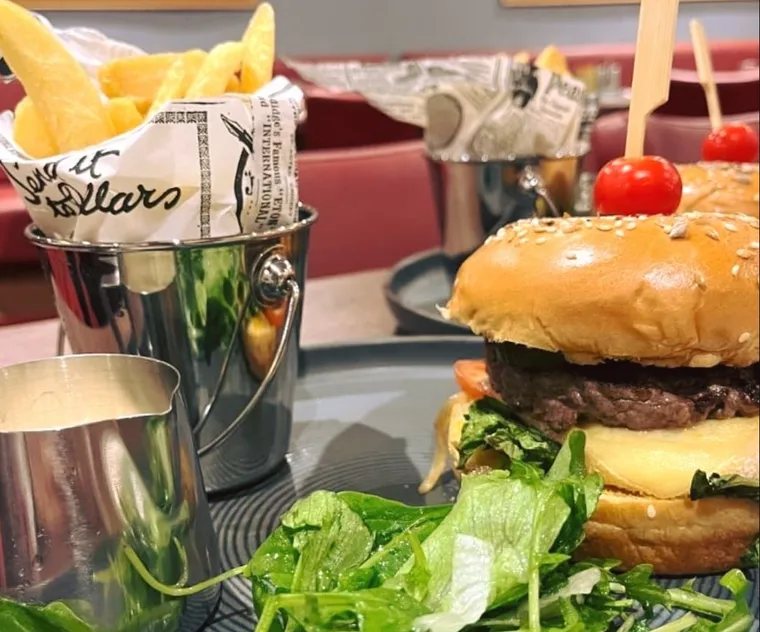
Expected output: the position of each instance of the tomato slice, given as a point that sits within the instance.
(472, 377)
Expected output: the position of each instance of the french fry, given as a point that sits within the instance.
(30, 131)
(523, 57)
(221, 64)
(179, 79)
(233, 85)
(124, 114)
(142, 104)
(552, 59)
(139, 76)
(58, 86)
(258, 52)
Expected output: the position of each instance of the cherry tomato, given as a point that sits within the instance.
(472, 378)
(734, 142)
(275, 315)
(638, 186)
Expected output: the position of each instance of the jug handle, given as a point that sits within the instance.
(271, 280)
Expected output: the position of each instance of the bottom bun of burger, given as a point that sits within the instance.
(676, 536)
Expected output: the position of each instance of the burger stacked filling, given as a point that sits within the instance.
(553, 395)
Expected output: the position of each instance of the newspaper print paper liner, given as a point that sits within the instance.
(473, 107)
(201, 169)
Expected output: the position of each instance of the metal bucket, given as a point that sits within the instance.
(96, 455)
(475, 199)
(477, 194)
(225, 312)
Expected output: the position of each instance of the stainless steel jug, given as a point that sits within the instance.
(97, 455)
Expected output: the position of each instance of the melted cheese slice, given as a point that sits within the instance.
(661, 463)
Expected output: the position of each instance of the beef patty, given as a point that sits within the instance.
(553, 395)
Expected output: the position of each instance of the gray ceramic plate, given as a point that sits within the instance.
(416, 286)
(363, 421)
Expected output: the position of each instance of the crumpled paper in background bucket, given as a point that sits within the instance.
(472, 107)
(208, 168)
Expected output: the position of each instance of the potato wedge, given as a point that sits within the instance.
(139, 76)
(220, 65)
(259, 50)
(179, 79)
(58, 86)
(124, 114)
(30, 131)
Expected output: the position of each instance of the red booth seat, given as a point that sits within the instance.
(679, 139)
(726, 55)
(375, 206)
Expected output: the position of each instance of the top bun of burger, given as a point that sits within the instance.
(720, 187)
(662, 290)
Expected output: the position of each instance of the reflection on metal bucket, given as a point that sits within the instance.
(226, 312)
(96, 454)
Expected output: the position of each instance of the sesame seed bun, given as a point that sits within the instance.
(662, 290)
(720, 187)
(677, 536)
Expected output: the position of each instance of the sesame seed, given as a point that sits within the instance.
(551, 229)
(735, 270)
(522, 232)
(744, 337)
(679, 229)
(524, 240)
(571, 255)
(712, 233)
(754, 222)
(569, 228)
(755, 245)
(500, 232)
(539, 229)
(744, 254)
(604, 227)
(620, 233)
(510, 236)
(618, 223)
(651, 512)
(730, 226)
(541, 240)
(630, 226)
(489, 239)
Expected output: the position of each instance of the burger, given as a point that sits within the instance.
(720, 186)
(640, 331)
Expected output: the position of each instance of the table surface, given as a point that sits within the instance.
(336, 309)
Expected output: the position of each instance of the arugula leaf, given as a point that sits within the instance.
(732, 486)
(489, 426)
(510, 543)
(736, 619)
(56, 617)
(374, 610)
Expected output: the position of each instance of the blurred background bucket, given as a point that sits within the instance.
(225, 312)
(475, 199)
(96, 454)
(476, 195)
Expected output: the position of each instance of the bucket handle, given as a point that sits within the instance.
(272, 280)
(532, 182)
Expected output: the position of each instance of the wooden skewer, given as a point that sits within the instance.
(651, 68)
(705, 72)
